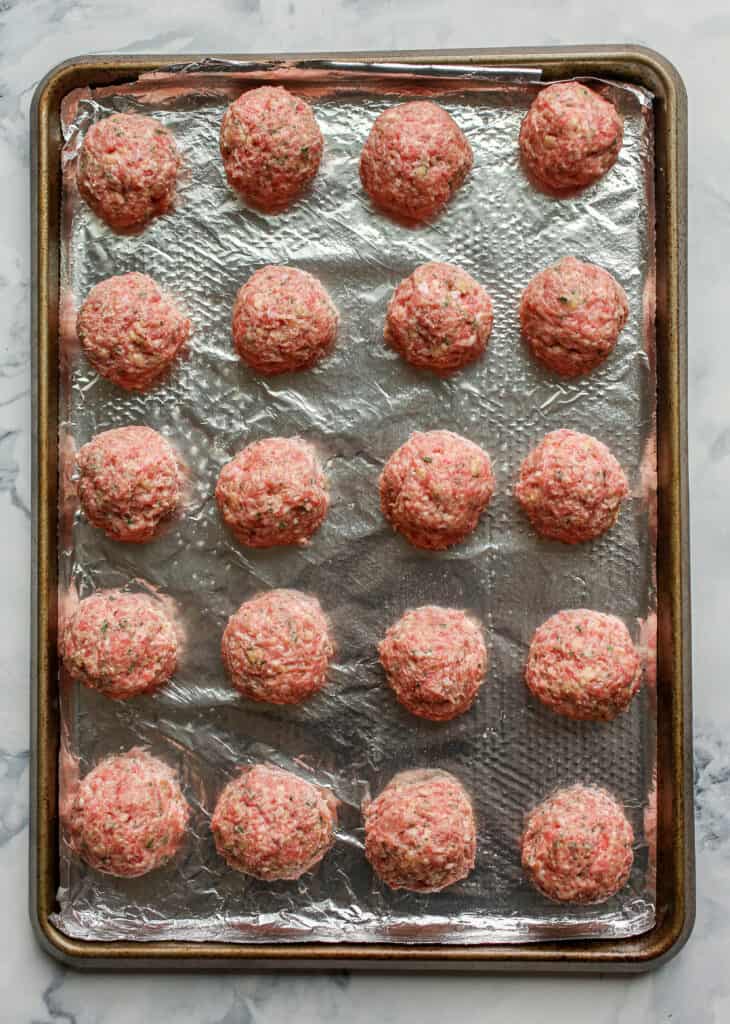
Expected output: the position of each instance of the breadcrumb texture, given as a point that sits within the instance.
(271, 146)
(577, 846)
(272, 824)
(128, 170)
(130, 330)
(435, 487)
(273, 492)
(583, 664)
(130, 483)
(435, 660)
(439, 318)
(277, 647)
(128, 816)
(283, 320)
(571, 487)
(414, 159)
(420, 833)
(120, 644)
(571, 315)
(571, 136)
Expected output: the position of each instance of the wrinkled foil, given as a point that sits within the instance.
(357, 407)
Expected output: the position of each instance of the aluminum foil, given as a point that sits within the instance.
(358, 406)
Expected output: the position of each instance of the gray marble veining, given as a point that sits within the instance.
(35, 35)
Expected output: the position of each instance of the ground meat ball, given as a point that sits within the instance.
(128, 815)
(571, 136)
(571, 315)
(130, 482)
(277, 647)
(120, 644)
(130, 330)
(647, 643)
(414, 159)
(582, 664)
(577, 846)
(274, 492)
(435, 660)
(650, 829)
(571, 487)
(439, 318)
(128, 170)
(271, 146)
(272, 824)
(283, 320)
(420, 833)
(434, 488)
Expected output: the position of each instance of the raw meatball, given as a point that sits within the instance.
(650, 829)
(271, 146)
(648, 479)
(570, 136)
(647, 643)
(128, 815)
(571, 487)
(131, 330)
(571, 315)
(128, 170)
(283, 320)
(120, 644)
(274, 492)
(583, 665)
(277, 647)
(434, 488)
(439, 318)
(577, 846)
(420, 833)
(414, 159)
(435, 660)
(130, 482)
(271, 824)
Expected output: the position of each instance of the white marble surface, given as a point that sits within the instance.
(35, 35)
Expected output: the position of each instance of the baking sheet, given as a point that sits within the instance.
(358, 406)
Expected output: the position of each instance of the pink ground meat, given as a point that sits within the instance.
(128, 815)
(271, 146)
(120, 644)
(439, 318)
(420, 833)
(570, 136)
(128, 170)
(571, 315)
(648, 478)
(435, 660)
(414, 159)
(277, 647)
(577, 846)
(434, 488)
(283, 320)
(273, 492)
(272, 824)
(130, 330)
(583, 664)
(647, 642)
(650, 829)
(130, 482)
(571, 487)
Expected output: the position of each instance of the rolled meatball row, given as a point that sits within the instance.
(414, 159)
(128, 816)
(439, 318)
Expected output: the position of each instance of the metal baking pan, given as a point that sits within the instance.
(675, 884)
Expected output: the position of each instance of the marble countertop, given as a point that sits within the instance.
(694, 988)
